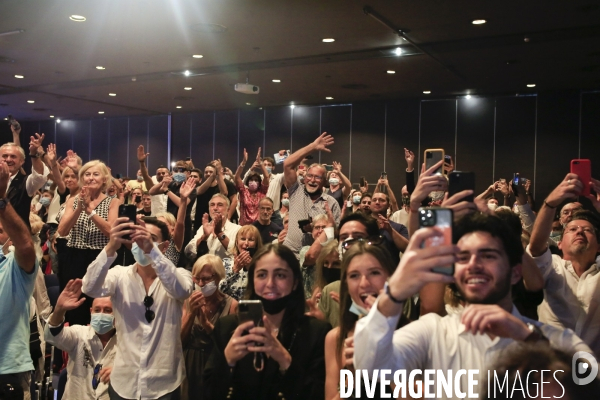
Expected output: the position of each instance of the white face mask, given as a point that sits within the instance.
(209, 289)
(492, 206)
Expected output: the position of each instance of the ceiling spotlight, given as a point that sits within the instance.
(531, 85)
(52, 116)
(31, 101)
(292, 106)
(77, 18)
(478, 21)
(391, 72)
(398, 51)
(173, 163)
(328, 98)
(178, 107)
(468, 96)
(197, 56)
(248, 104)
(187, 88)
(187, 73)
(100, 67)
(100, 112)
(58, 121)
(328, 40)
(426, 91)
(19, 76)
(112, 94)
(276, 80)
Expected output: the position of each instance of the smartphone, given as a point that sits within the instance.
(432, 157)
(583, 169)
(448, 159)
(303, 223)
(328, 167)
(128, 211)
(362, 181)
(252, 251)
(250, 310)
(13, 122)
(459, 181)
(383, 175)
(441, 218)
(515, 180)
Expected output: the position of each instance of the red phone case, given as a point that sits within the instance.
(583, 169)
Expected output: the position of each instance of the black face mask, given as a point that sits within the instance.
(272, 307)
(331, 274)
(406, 200)
(138, 199)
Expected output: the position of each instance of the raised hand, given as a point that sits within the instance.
(69, 298)
(270, 345)
(186, 188)
(4, 178)
(51, 154)
(141, 154)
(245, 157)
(322, 142)
(491, 319)
(237, 347)
(35, 143)
(218, 223)
(595, 185)
(409, 156)
(197, 303)
(569, 188)
(258, 157)
(337, 167)
(242, 260)
(428, 182)
(141, 235)
(364, 189)
(207, 227)
(120, 228)
(71, 160)
(459, 206)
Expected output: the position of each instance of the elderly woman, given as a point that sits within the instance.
(200, 312)
(87, 220)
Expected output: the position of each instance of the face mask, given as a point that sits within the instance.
(358, 310)
(269, 170)
(140, 178)
(492, 206)
(556, 236)
(139, 255)
(301, 178)
(102, 323)
(272, 307)
(252, 185)
(334, 181)
(356, 199)
(179, 177)
(45, 201)
(227, 176)
(285, 202)
(49, 183)
(406, 200)
(11, 248)
(209, 289)
(138, 199)
(331, 274)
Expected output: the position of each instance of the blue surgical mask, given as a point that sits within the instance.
(358, 310)
(334, 181)
(356, 199)
(102, 323)
(140, 257)
(285, 202)
(140, 178)
(179, 177)
(45, 201)
(269, 170)
(556, 236)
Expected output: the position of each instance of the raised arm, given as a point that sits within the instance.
(219, 177)
(266, 176)
(142, 156)
(185, 190)
(34, 145)
(346, 184)
(237, 179)
(51, 161)
(15, 128)
(289, 165)
(428, 182)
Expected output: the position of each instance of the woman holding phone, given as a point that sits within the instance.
(247, 242)
(284, 356)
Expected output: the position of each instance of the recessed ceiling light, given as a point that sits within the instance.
(531, 85)
(100, 112)
(31, 101)
(398, 51)
(468, 96)
(248, 104)
(187, 88)
(328, 40)
(276, 80)
(52, 116)
(178, 107)
(391, 72)
(77, 18)
(112, 94)
(426, 91)
(197, 56)
(328, 98)
(187, 73)
(58, 121)
(479, 21)
(19, 76)
(100, 67)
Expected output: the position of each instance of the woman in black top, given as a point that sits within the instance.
(292, 343)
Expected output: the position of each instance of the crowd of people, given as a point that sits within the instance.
(267, 284)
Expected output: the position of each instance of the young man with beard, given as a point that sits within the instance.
(487, 258)
(572, 283)
(307, 199)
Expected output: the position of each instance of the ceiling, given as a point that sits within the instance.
(146, 45)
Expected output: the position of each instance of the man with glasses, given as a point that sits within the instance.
(91, 349)
(572, 283)
(269, 231)
(307, 199)
(147, 299)
(566, 213)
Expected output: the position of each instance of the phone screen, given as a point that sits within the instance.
(442, 219)
(459, 181)
(432, 157)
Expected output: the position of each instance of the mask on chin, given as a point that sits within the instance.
(331, 274)
(358, 310)
(273, 307)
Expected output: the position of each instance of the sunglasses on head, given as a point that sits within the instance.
(375, 241)
(148, 301)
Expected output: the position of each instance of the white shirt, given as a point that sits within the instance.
(158, 202)
(571, 301)
(214, 244)
(441, 343)
(400, 217)
(149, 362)
(85, 352)
(34, 181)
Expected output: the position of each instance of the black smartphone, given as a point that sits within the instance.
(250, 310)
(303, 223)
(448, 159)
(251, 251)
(516, 179)
(459, 181)
(384, 175)
(432, 157)
(328, 167)
(362, 181)
(128, 211)
(441, 218)
(13, 122)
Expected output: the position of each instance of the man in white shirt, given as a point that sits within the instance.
(219, 234)
(572, 283)
(487, 262)
(91, 348)
(147, 299)
(159, 201)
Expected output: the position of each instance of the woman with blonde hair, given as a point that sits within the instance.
(87, 221)
(200, 313)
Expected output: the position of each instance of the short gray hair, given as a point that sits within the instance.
(12, 144)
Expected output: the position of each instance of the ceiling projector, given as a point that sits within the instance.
(246, 88)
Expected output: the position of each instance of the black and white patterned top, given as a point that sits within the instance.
(234, 283)
(172, 253)
(85, 234)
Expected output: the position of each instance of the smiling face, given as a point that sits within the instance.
(379, 203)
(13, 158)
(365, 276)
(93, 178)
(314, 179)
(245, 241)
(365, 204)
(273, 278)
(482, 273)
(217, 206)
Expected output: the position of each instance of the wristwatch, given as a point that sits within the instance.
(536, 334)
(90, 215)
(221, 236)
(3, 203)
(386, 288)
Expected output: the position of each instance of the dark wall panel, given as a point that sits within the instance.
(475, 140)
(181, 132)
(305, 129)
(158, 141)
(402, 132)
(438, 127)
(226, 138)
(252, 134)
(138, 134)
(99, 141)
(590, 130)
(336, 122)
(117, 149)
(81, 139)
(202, 139)
(368, 127)
(64, 136)
(558, 138)
(278, 133)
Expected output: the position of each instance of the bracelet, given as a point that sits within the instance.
(386, 288)
(90, 215)
(548, 205)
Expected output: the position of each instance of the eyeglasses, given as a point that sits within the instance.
(375, 241)
(148, 301)
(317, 178)
(205, 280)
(575, 229)
(96, 378)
